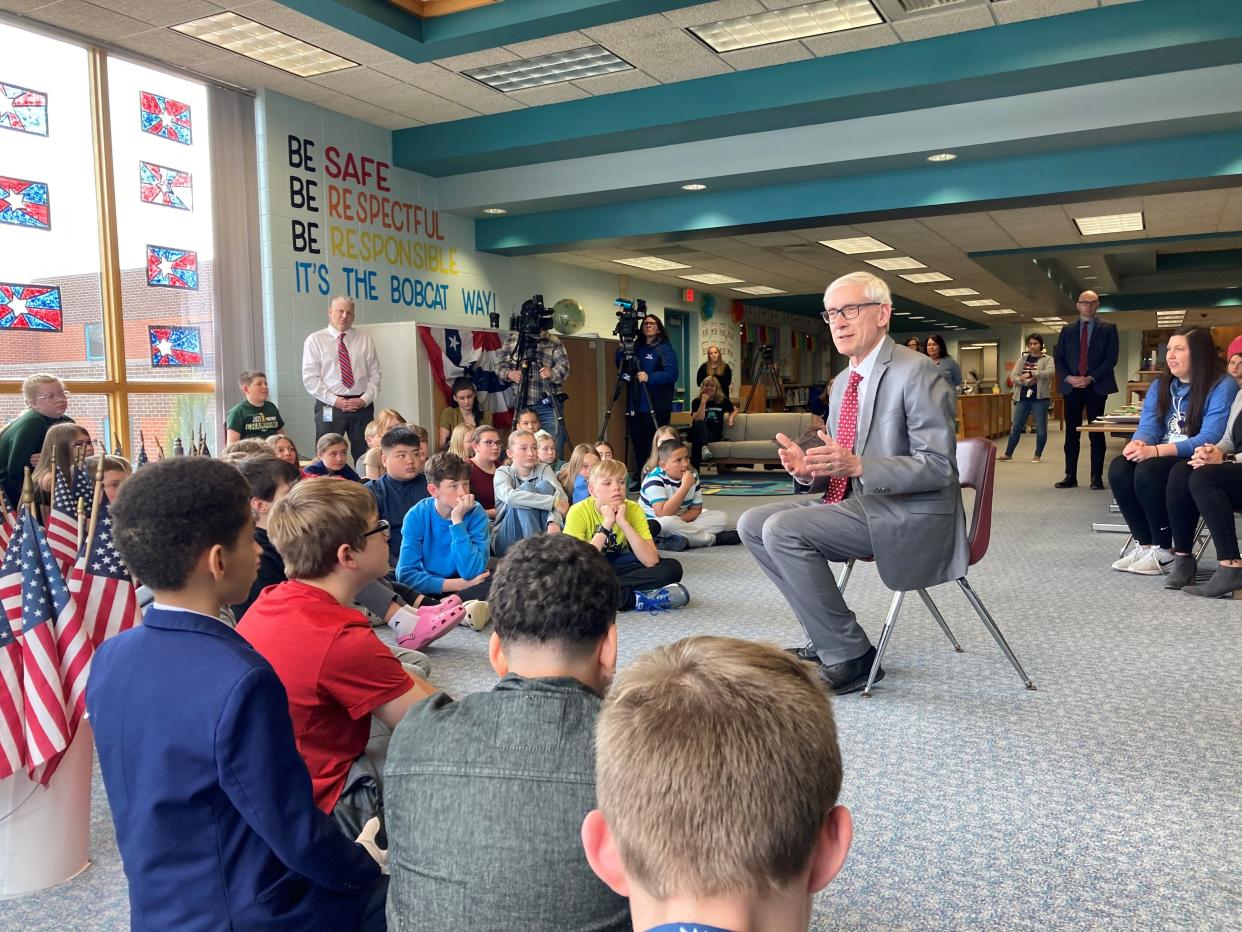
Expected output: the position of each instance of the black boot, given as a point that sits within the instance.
(1069, 482)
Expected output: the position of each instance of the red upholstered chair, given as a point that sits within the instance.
(976, 469)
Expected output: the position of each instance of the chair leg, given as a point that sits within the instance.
(1126, 546)
(889, 623)
(1201, 539)
(845, 576)
(935, 613)
(990, 624)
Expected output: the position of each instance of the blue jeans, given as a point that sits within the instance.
(1038, 407)
(516, 524)
(547, 421)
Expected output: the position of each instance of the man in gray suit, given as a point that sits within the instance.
(902, 505)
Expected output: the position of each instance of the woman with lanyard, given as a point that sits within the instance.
(1185, 408)
(716, 368)
(657, 367)
(938, 353)
(1032, 393)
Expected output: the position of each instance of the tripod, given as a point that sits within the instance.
(526, 353)
(628, 372)
(764, 364)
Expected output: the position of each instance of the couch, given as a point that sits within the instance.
(750, 441)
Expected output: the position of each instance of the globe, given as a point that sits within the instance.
(568, 317)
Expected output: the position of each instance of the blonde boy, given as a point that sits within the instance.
(335, 670)
(705, 823)
(617, 528)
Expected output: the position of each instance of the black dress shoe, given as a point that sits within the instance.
(805, 652)
(727, 538)
(1097, 483)
(1069, 482)
(850, 675)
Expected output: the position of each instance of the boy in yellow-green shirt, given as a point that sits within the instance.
(618, 529)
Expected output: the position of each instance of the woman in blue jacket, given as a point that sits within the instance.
(1186, 407)
(657, 367)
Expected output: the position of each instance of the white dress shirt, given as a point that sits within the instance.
(321, 371)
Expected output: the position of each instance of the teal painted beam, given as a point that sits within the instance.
(812, 305)
(1107, 44)
(1210, 297)
(953, 186)
(421, 40)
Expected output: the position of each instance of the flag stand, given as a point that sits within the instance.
(45, 839)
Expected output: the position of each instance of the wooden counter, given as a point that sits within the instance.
(984, 415)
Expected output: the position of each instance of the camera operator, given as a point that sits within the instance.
(657, 366)
(549, 369)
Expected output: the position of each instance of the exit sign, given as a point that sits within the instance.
(687, 295)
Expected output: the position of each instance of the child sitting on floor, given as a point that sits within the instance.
(545, 447)
(573, 477)
(527, 419)
(403, 484)
(604, 450)
(671, 495)
(529, 499)
(332, 450)
(444, 540)
(618, 529)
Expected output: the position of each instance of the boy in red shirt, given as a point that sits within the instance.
(335, 671)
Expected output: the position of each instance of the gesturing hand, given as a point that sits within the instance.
(792, 457)
(832, 459)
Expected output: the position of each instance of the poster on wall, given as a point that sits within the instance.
(30, 307)
(172, 268)
(165, 117)
(174, 346)
(23, 109)
(25, 203)
(165, 187)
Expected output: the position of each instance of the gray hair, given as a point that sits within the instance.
(876, 289)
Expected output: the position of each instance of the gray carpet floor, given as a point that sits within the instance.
(1107, 799)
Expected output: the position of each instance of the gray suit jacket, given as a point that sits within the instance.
(909, 487)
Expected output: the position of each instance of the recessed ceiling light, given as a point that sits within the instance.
(800, 22)
(942, 157)
(588, 62)
(652, 263)
(1082, 266)
(922, 278)
(695, 186)
(760, 289)
(244, 36)
(856, 244)
(896, 263)
(1090, 278)
(712, 278)
(1003, 310)
(914, 317)
(1109, 223)
(901, 313)
(981, 302)
(955, 292)
(494, 210)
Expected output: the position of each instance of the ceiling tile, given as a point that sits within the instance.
(163, 13)
(347, 46)
(943, 23)
(416, 103)
(851, 40)
(765, 55)
(1013, 11)
(21, 6)
(713, 12)
(171, 47)
(549, 44)
(450, 85)
(669, 56)
(281, 17)
(358, 109)
(1037, 226)
(244, 72)
(357, 82)
(89, 20)
(548, 94)
(480, 59)
(628, 28)
(615, 82)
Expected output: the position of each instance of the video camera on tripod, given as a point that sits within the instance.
(532, 319)
(629, 323)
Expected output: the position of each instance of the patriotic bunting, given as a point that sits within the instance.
(472, 354)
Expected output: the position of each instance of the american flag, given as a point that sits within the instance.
(35, 595)
(102, 584)
(62, 523)
(12, 732)
(7, 522)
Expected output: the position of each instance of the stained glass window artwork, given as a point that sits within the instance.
(172, 268)
(175, 346)
(167, 187)
(23, 109)
(25, 203)
(163, 116)
(30, 307)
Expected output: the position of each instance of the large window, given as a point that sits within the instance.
(106, 240)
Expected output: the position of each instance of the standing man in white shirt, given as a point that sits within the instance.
(342, 373)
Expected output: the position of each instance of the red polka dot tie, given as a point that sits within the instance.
(347, 366)
(847, 428)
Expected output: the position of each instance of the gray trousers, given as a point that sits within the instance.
(793, 542)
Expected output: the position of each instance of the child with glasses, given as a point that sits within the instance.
(46, 401)
(336, 672)
(485, 442)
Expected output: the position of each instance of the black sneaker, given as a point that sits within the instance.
(1069, 482)
(673, 542)
(727, 538)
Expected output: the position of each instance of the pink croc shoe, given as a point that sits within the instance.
(424, 625)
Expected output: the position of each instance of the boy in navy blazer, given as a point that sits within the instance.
(212, 804)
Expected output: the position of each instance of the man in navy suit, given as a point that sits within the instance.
(1086, 355)
(212, 804)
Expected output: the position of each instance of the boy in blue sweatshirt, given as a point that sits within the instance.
(444, 539)
(403, 484)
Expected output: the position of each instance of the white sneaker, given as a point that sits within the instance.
(1137, 552)
(1155, 562)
